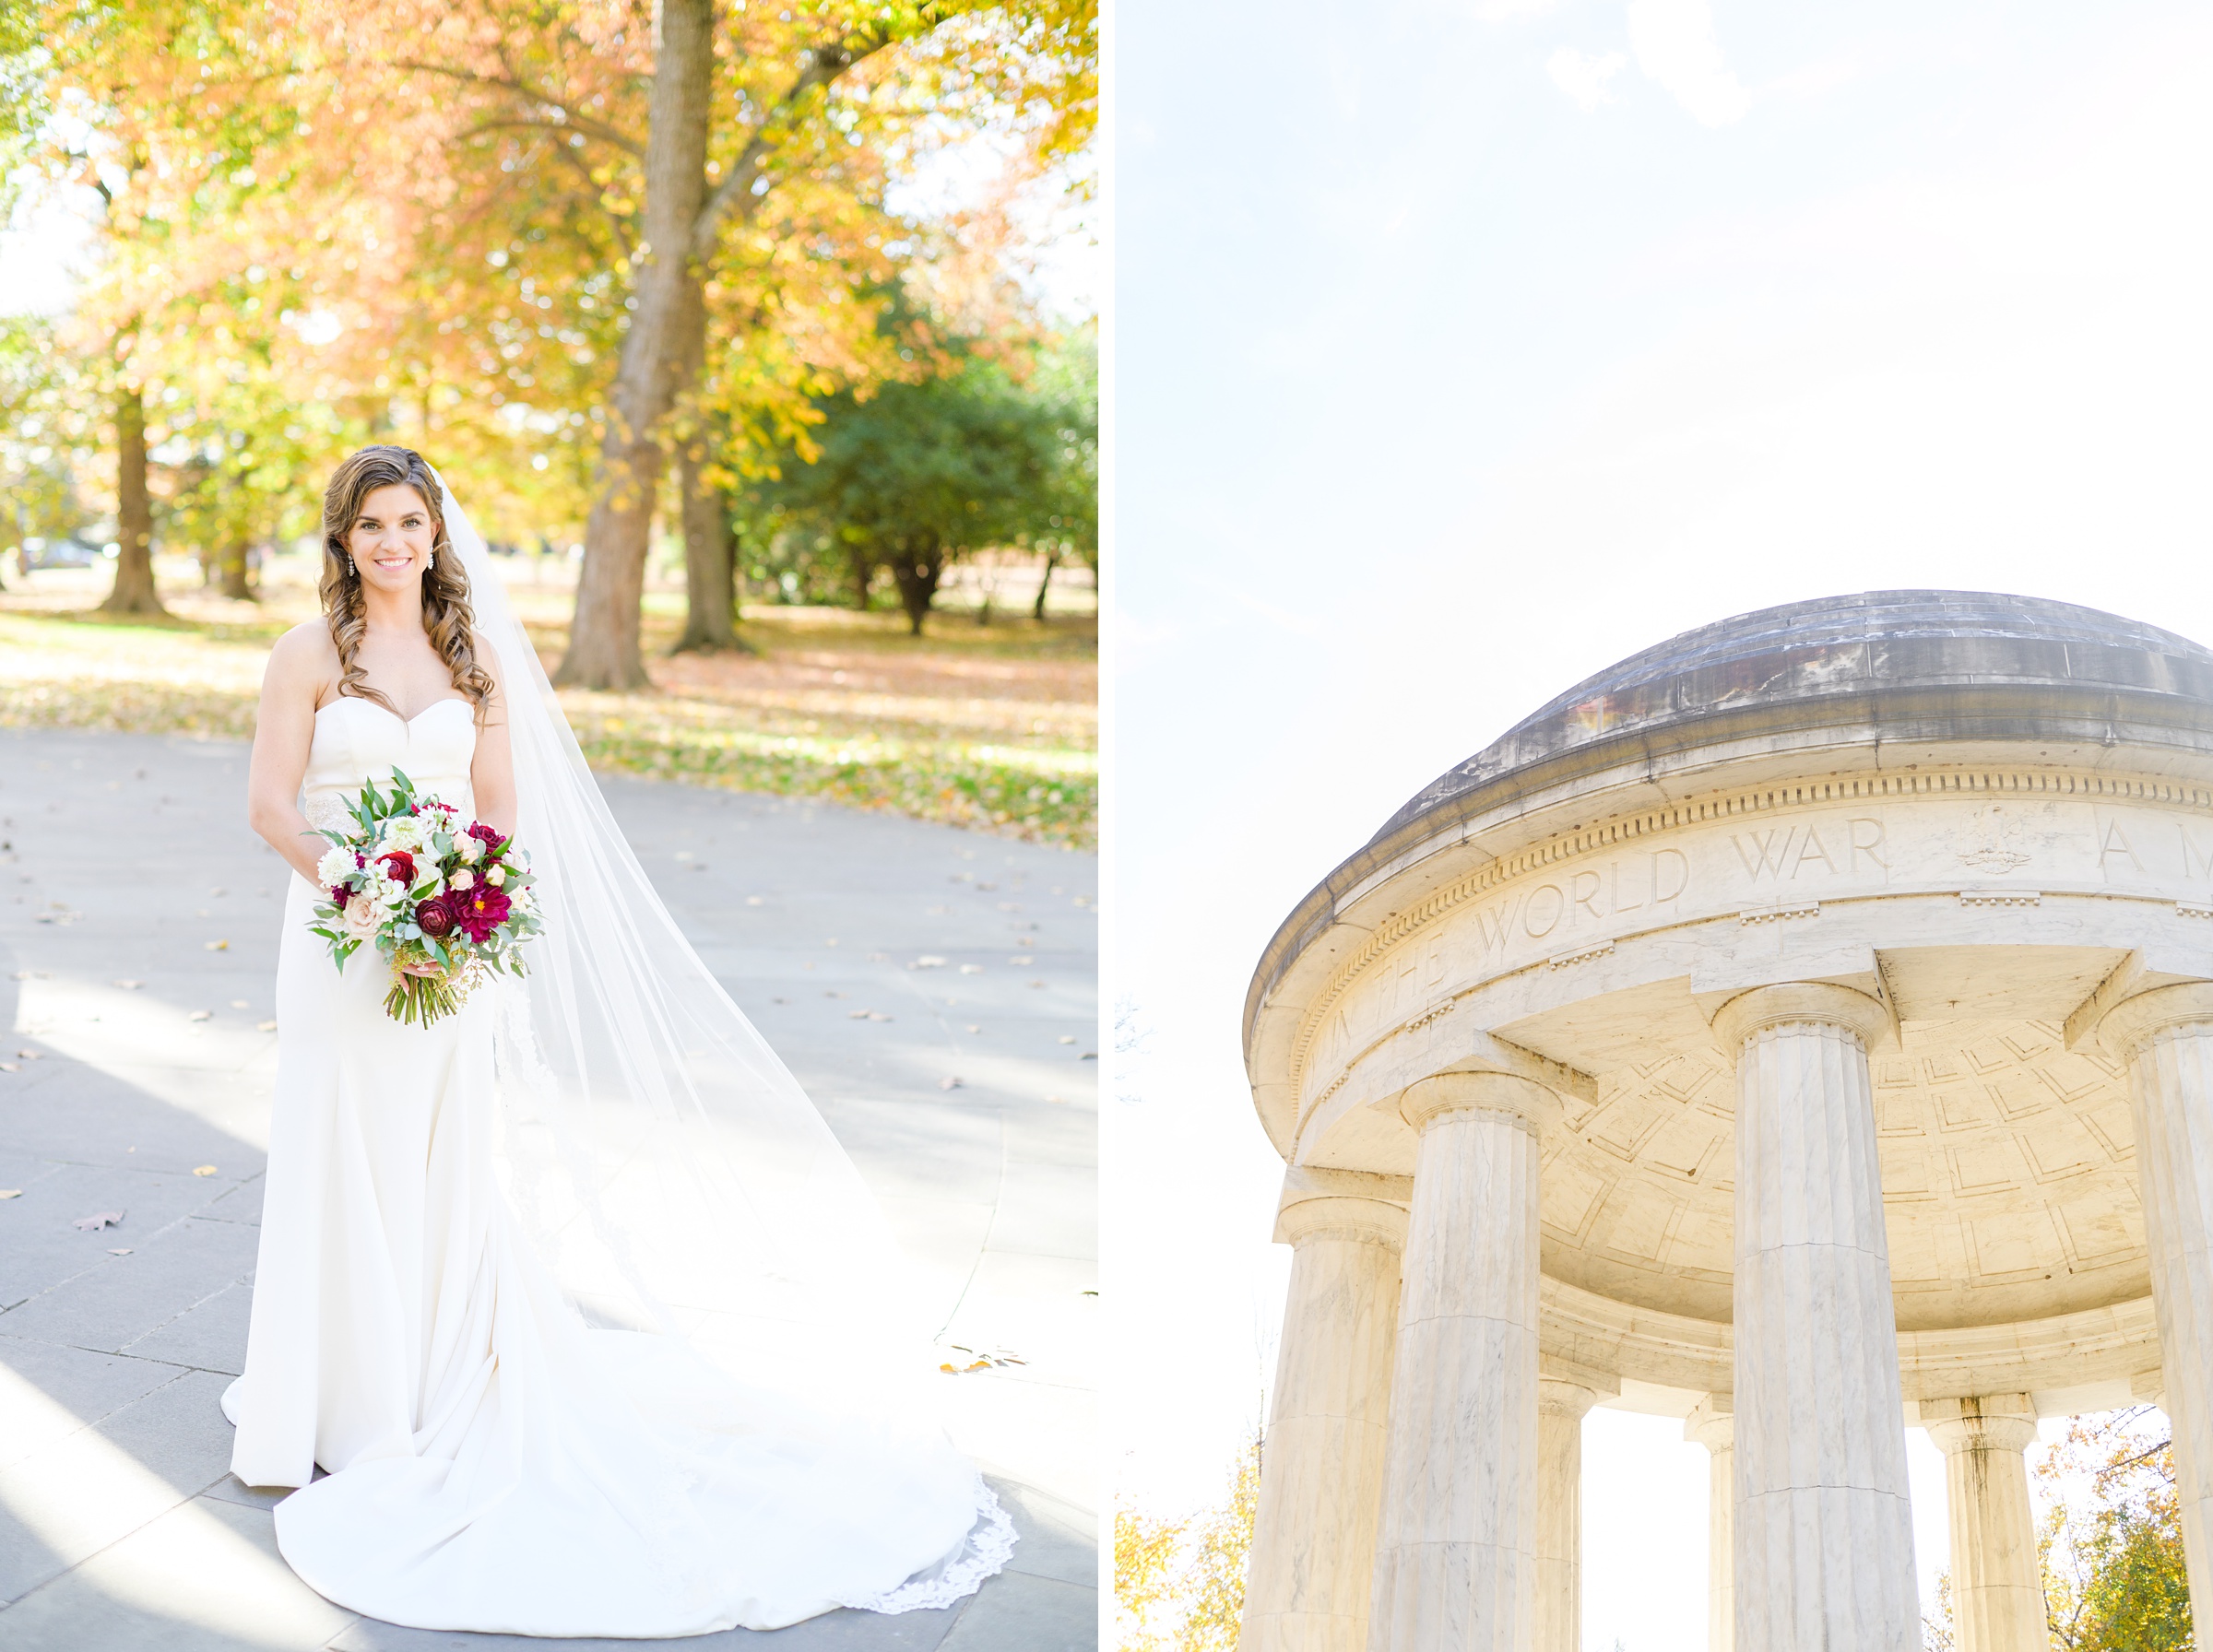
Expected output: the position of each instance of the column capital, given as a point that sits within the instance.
(1565, 1396)
(1712, 1423)
(2134, 1022)
(1818, 1002)
(1984, 1422)
(1426, 1101)
(1345, 1204)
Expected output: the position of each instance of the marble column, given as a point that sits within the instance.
(1560, 1407)
(1321, 1465)
(1456, 1549)
(1824, 1528)
(1713, 1425)
(1997, 1587)
(2167, 1037)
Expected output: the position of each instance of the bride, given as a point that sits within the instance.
(587, 1318)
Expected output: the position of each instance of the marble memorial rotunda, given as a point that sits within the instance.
(1803, 1028)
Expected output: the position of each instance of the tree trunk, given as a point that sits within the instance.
(658, 352)
(1052, 560)
(710, 562)
(134, 592)
(918, 573)
(237, 582)
(862, 559)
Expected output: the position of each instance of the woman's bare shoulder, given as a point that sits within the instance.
(307, 642)
(305, 655)
(487, 658)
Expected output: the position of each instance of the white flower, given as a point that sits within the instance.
(464, 878)
(405, 832)
(335, 866)
(495, 877)
(388, 891)
(362, 919)
(471, 850)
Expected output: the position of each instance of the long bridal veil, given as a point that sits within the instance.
(662, 1162)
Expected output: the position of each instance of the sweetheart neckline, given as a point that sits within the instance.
(410, 722)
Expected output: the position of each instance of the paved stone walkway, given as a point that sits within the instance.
(138, 948)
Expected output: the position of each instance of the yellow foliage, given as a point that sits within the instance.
(1179, 1584)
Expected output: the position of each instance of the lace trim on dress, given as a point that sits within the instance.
(328, 811)
(984, 1554)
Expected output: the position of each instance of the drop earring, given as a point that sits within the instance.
(430, 560)
(351, 572)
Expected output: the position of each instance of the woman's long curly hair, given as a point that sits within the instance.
(447, 615)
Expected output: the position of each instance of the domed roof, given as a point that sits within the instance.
(2014, 666)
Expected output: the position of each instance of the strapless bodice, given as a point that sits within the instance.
(358, 739)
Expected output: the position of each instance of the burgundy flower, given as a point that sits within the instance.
(434, 917)
(486, 835)
(341, 893)
(480, 910)
(401, 862)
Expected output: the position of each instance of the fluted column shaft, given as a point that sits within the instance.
(1824, 1528)
(1321, 1467)
(1997, 1584)
(2167, 1036)
(1456, 1551)
(1560, 1601)
(1713, 1425)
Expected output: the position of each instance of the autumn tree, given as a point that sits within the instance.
(177, 119)
(1181, 1584)
(681, 138)
(2114, 1570)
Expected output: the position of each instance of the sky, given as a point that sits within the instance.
(1459, 350)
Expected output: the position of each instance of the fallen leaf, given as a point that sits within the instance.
(972, 968)
(857, 1015)
(200, 1015)
(754, 901)
(92, 1224)
(122, 1250)
(1058, 1100)
(1088, 1055)
(975, 1027)
(1065, 1038)
(9, 1067)
(219, 946)
(129, 985)
(203, 1170)
(240, 1004)
(949, 1083)
(11, 1193)
(928, 963)
(1022, 961)
(878, 1015)
(30, 1055)
(1036, 984)
(265, 1027)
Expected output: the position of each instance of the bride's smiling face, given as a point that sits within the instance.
(391, 538)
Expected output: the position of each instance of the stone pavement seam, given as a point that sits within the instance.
(93, 1267)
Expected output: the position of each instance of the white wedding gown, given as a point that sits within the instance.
(491, 1463)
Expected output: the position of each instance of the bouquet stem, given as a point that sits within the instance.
(420, 999)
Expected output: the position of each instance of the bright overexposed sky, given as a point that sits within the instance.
(1464, 349)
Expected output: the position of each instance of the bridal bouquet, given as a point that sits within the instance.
(447, 904)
